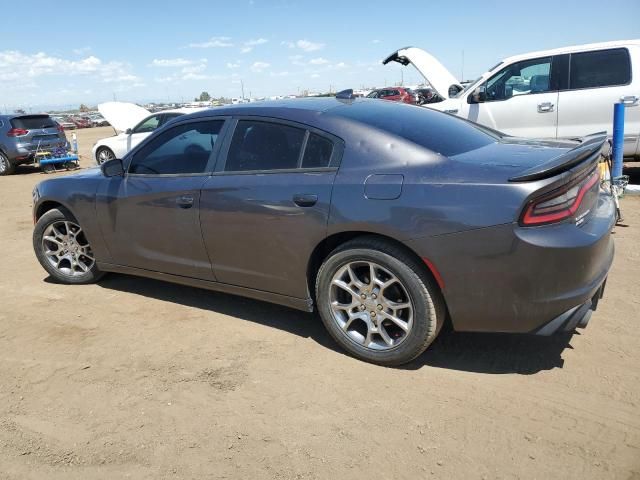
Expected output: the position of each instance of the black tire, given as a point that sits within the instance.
(6, 167)
(49, 218)
(104, 150)
(428, 305)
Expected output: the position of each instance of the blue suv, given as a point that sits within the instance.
(21, 136)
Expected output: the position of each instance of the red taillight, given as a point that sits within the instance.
(17, 132)
(59, 127)
(559, 204)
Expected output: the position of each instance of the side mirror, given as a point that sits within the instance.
(112, 168)
(479, 95)
(128, 131)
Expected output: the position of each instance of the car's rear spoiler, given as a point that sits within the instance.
(588, 151)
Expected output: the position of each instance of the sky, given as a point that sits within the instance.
(61, 54)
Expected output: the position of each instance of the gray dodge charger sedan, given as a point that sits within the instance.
(389, 219)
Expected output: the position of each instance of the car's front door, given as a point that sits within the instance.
(520, 100)
(150, 216)
(267, 207)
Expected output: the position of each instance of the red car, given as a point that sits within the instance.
(395, 94)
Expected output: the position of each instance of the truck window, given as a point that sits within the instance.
(603, 68)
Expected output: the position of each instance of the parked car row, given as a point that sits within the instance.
(72, 122)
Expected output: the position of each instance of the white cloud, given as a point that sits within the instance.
(259, 66)
(297, 60)
(213, 42)
(375, 41)
(232, 65)
(195, 68)
(308, 46)
(279, 74)
(305, 45)
(170, 62)
(315, 75)
(81, 50)
(318, 61)
(15, 65)
(246, 49)
(257, 41)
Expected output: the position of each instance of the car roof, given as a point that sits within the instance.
(573, 49)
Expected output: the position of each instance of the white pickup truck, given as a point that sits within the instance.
(561, 93)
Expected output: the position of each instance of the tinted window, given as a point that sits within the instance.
(521, 78)
(317, 153)
(264, 146)
(181, 149)
(148, 125)
(33, 122)
(167, 117)
(600, 69)
(439, 132)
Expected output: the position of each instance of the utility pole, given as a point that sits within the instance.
(242, 87)
(401, 77)
(462, 69)
(114, 96)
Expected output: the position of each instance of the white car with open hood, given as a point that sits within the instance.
(134, 124)
(562, 93)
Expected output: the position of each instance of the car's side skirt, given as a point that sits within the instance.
(304, 304)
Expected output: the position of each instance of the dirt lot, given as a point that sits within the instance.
(141, 379)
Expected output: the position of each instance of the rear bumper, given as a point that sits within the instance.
(576, 317)
(516, 279)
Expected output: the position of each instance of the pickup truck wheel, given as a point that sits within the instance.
(377, 302)
(63, 250)
(6, 167)
(104, 154)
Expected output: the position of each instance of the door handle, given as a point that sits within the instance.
(185, 201)
(545, 107)
(629, 100)
(305, 199)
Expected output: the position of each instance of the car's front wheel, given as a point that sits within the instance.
(378, 302)
(6, 167)
(104, 154)
(63, 249)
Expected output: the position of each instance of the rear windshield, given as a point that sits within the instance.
(33, 122)
(439, 132)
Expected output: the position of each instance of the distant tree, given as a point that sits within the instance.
(20, 111)
(83, 108)
(195, 99)
(204, 97)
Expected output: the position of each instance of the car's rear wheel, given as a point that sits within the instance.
(63, 249)
(104, 154)
(6, 167)
(377, 301)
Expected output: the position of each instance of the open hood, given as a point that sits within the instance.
(122, 115)
(431, 69)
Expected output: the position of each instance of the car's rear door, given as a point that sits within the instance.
(597, 80)
(150, 217)
(267, 205)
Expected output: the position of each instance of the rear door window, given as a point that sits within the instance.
(33, 122)
(603, 68)
(317, 153)
(260, 145)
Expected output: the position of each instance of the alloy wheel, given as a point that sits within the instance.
(66, 248)
(371, 305)
(104, 155)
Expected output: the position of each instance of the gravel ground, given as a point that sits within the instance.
(142, 379)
